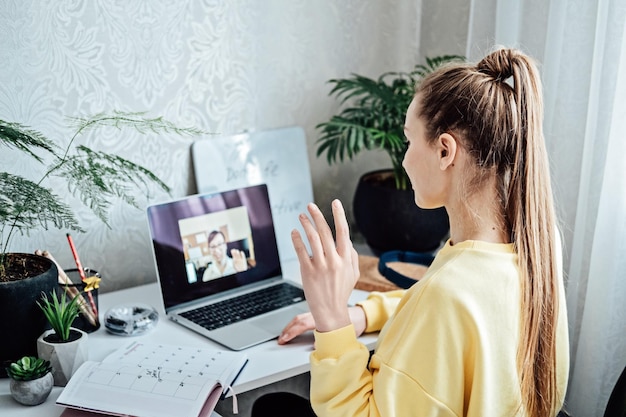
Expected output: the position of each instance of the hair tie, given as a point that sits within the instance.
(498, 65)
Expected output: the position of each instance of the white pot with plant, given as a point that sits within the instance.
(64, 346)
(31, 380)
(97, 178)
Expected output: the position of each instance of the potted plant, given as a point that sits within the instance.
(372, 118)
(63, 345)
(31, 380)
(22, 320)
(95, 177)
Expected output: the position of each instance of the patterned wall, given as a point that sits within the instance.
(222, 66)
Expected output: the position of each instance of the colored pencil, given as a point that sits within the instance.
(81, 271)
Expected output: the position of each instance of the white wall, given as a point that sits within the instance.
(223, 66)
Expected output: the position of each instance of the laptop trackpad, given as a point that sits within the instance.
(260, 329)
(241, 335)
(275, 322)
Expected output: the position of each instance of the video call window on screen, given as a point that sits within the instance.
(217, 244)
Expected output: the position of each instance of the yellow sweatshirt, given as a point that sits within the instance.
(449, 349)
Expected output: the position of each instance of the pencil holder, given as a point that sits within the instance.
(87, 320)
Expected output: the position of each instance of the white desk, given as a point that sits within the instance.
(268, 364)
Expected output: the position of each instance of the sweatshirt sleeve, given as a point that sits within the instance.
(378, 307)
(341, 383)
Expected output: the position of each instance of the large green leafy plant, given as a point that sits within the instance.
(96, 177)
(372, 116)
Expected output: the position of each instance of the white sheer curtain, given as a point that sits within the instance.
(581, 46)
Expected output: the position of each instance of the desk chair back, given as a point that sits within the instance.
(616, 407)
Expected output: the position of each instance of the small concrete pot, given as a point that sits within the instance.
(33, 392)
(65, 357)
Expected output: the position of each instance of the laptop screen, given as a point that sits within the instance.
(210, 243)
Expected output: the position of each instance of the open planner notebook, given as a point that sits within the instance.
(152, 380)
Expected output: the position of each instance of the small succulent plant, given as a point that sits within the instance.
(28, 368)
(60, 313)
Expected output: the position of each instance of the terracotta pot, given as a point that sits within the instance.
(33, 392)
(21, 320)
(389, 219)
(65, 357)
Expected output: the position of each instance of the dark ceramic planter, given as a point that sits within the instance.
(21, 320)
(389, 219)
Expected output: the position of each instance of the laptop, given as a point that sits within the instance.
(219, 269)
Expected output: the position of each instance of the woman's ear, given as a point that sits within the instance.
(447, 147)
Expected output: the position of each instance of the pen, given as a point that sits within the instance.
(66, 283)
(81, 271)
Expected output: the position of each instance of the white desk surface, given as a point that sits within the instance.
(268, 362)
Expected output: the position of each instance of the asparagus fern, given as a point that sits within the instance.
(95, 177)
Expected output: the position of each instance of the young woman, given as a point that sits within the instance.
(484, 332)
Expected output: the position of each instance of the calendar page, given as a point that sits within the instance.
(143, 379)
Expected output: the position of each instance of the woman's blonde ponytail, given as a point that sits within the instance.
(496, 108)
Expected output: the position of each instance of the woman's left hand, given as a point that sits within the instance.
(304, 322)
(330, 274)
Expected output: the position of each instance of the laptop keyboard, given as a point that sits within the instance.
(230, 311)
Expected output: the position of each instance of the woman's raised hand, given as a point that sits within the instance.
(240, 263)
(332, 270)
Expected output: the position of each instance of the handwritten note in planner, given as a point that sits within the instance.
(276, 157)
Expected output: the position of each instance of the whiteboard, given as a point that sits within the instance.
(276, 157)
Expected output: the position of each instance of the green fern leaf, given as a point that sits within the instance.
(135, 120)
(26, 205)
(17, 136)
(95, 177)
